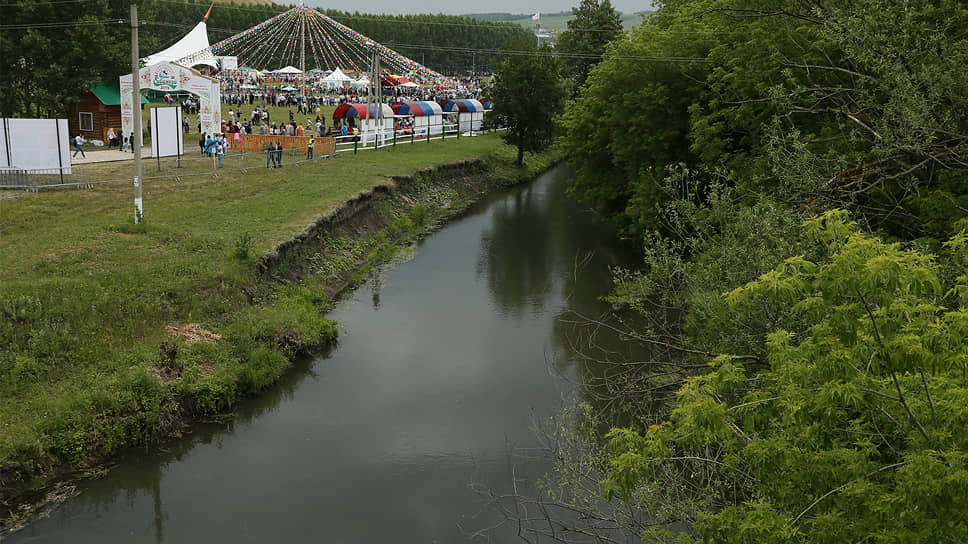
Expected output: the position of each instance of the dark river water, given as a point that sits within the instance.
(445, 361)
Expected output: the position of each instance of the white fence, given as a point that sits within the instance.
(193, 164)
(451, 127)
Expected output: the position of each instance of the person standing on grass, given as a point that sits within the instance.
(278, 154)
(209, 142)
(201, 143)
(270, 155)
(78, 142)
(309, 147)
(219, 150)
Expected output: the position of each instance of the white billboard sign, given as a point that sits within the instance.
(35, 144)
(167, 137)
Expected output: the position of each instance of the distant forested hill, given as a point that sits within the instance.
(552, 21)
(445, 43)
(515, 17)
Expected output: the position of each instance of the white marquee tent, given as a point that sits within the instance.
(337, 78)
(194, 42)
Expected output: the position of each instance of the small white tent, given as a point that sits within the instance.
(337, 78)
(289, 70)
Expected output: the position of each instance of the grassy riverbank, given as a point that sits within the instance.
(114, 334)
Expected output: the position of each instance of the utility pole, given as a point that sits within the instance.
(376, 94)
(136, 114)
(302, 49)
(379, 93)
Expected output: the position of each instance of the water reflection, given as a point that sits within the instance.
(440, 371)
(543, 249)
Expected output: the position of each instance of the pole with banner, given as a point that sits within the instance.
(136, 115)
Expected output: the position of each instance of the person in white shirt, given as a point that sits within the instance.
(78, 142)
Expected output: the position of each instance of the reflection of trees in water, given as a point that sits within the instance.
(540, 241)
(515, 257)
(142, 472)
(538, 238)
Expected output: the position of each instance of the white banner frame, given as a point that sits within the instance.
(165, 76)
(35, 144)
(167, 134)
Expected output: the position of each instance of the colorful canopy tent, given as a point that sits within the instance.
(329, 44)
(470, 113)
(427, 116)
(192, 50)
(487, 104)
(361, 111)
(374, 123)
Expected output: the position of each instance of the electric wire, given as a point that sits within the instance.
(32, 4)
(62, 24)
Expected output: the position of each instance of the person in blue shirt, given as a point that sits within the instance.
(209, 142)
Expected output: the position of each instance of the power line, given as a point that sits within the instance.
(31, 4)
(501, 51)
(63, 24)
(507, 25)
(548, 53)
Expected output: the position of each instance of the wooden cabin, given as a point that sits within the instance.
(96, 111)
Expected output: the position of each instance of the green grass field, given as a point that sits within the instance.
(86, 296)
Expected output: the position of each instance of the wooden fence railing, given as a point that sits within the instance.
(258, 143)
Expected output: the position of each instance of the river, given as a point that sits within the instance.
(445, 360)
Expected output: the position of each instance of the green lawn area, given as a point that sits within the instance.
(86, 294)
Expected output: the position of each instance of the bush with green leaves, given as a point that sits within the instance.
(853, 430)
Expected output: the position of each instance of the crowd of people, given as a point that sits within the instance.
(260, 91)
(240, 87)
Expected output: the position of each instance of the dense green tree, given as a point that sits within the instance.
(582, 45)
(851, 432)
(52, 52)
(632, 119)
(839, 101)
(449, 44)
(816, 401)
(527, 92)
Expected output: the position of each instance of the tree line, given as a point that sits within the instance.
(797, 174)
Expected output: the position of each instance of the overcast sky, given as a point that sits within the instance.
(458, 8)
